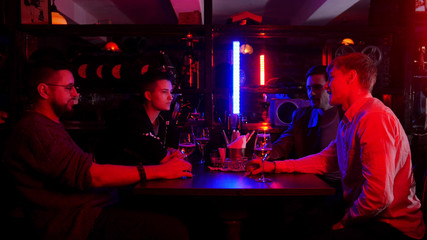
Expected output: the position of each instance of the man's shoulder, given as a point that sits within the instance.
(29, 120)
(375, 107)
(375, 111)
(36, 118)
(33, 122)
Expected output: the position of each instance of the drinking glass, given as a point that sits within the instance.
(262, 149)
(187, 143)
(202, 138)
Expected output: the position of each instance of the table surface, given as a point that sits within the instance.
(208, 182)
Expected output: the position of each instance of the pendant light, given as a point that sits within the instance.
(57, 18)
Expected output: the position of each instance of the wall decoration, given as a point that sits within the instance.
(35, 12)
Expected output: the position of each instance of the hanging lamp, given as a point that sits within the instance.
(57, 18)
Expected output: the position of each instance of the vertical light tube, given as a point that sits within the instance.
(261, 70)
(236, 77)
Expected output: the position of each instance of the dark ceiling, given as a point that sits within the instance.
(274, 12)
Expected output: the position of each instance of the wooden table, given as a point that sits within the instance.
(217, 184)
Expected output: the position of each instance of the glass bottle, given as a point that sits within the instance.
(190, 66)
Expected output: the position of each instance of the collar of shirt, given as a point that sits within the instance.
(314, 118)
(149, 126)
(354, 108)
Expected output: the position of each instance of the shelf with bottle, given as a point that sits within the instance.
(190, 70)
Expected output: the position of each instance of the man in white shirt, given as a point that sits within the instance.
(371, 152)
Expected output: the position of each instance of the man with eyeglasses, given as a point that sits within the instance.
(65, 193)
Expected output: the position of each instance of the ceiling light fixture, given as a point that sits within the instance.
(347, 41)
(57, 18)
(112, 46)
(246, 49)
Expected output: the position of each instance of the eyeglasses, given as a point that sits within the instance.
(67, 87)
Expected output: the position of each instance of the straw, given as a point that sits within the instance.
(249, 138)
(225, 137)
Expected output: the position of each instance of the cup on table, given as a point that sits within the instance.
(235, 153)
(216, 160)
(187, 143)
(236, 160)
(237, 164)
(202, 137)
(222, 153)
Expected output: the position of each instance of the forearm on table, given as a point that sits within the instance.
(107, 175)
(154, 172)
(320, 163)
(310, 164)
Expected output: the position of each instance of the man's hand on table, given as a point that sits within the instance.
(254, 167)
(337, 226)
(171, 167)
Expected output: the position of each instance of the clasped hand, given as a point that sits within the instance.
(174, 165)
(254, 166)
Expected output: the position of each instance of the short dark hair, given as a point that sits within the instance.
(42, 64)
(147, 81)
(156, 66)
(318, 69)
(361, 63)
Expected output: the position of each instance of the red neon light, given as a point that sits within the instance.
(261, 70)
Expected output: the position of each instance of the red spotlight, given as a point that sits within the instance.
(112, 46)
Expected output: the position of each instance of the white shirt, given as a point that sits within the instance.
(372, 152)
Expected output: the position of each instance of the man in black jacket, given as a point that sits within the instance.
(139, 130)
(312, 128)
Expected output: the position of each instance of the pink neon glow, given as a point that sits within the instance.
(261, 70)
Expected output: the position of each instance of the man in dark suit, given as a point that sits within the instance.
(312, 128)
